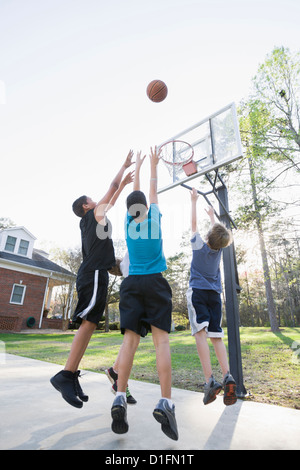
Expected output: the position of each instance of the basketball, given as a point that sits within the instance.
(157, 91)
(116, 270)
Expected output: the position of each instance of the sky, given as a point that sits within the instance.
(73, 79)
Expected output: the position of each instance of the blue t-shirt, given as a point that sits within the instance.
(205, 266)
(144, 243)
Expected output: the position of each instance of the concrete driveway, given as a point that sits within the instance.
(33, 416)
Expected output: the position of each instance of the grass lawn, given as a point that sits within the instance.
(271, 366)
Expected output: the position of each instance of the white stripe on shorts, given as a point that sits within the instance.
(195, 327)
(91, 305)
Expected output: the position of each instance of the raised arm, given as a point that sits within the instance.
(138, 164)
(210, 211)
(194, 199)
(101, 207)
(154, 160)
(129, 178)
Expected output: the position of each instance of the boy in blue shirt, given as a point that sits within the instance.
(145, 301)
(204, 303)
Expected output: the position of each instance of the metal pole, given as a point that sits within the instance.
(232, 307)
(212, 141)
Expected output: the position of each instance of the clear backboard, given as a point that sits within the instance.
(216, 142)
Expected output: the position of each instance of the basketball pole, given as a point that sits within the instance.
(232, 305)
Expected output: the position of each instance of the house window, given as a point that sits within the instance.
(17, 295)
(23, 247)
(10, 243)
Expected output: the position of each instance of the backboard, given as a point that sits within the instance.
(216, 142)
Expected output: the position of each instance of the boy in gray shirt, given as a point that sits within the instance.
(204, 303)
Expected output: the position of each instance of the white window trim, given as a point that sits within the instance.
(11, 296)
(15, 245)
(19, 247)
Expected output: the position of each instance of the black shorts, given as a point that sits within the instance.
(145, 300)
(92, 293)
(205, 311)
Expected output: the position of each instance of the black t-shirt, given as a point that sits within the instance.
(97, 246)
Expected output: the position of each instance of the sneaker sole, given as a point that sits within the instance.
(212, 395)
(162, 419)
(109, 377)
(78, 404)
(84, 398)
(119, 424)
(230, 397)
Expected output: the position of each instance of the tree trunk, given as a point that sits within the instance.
(263, 251)
(106, 318)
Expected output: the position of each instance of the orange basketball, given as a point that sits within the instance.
(157, 91)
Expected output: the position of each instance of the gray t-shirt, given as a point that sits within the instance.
(205, 266)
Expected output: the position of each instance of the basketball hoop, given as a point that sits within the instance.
(178, 156)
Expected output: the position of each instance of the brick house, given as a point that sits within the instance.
(27, 279)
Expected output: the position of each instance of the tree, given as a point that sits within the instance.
(70, 259)
(270, 122)
(276, 87)
(177, 276)
(252, 119)
(5, 222)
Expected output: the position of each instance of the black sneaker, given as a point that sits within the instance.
(80, 392)
(112, 375)
(113, 378)
(129, 398)
(119, 424)
(166, 417)
(66, 383)
(211, 390)
(229, 385)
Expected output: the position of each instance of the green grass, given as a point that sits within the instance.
(270, 365)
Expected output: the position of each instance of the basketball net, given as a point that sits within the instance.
(177, 156)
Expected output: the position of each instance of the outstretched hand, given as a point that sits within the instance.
(154, 156)
(194, 194)
(129, 178)
(210, 211)
(128, 161)
(139, 160)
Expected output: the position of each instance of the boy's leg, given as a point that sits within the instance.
(66, 381)
(164, 411)
(229, 384)
(221, 353)
(163, 360)
(203, 353)
(130, 343)
(211, 386)
(119, 407)
(112, 374)
(79, 345)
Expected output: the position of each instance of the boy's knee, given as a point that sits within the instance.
(216, 340)
(131, 338)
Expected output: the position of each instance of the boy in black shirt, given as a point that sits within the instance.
(92, 280)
